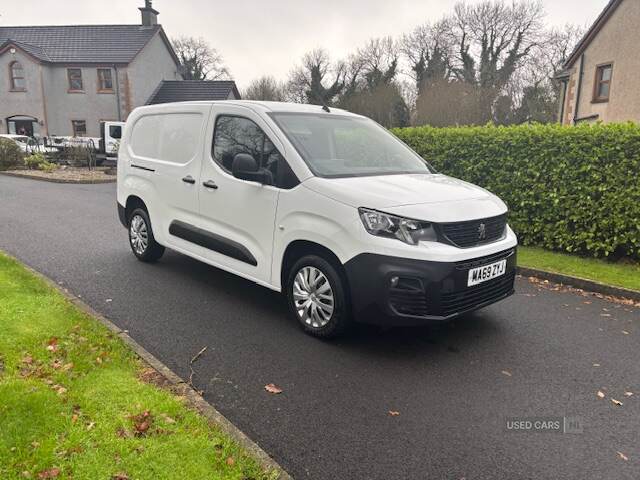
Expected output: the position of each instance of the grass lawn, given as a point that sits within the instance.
(617, 274)
(72, 404)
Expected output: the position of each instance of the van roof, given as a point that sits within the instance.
(265, 106)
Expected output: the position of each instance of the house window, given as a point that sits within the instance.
(16, 73)
(75, 79)
(105, 81)
(602, 88)
(79, 128)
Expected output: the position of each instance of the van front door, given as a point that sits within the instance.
(237, 216)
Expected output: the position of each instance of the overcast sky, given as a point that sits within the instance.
(258, 37)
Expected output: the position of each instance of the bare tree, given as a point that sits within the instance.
(265, 88)
(492, 39)
(316, 81)
(534, 91)
(379, 58)
(428, 51)
(449, 102)
(199, 60)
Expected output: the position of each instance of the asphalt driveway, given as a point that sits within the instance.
(541, 353)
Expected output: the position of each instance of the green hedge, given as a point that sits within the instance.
(571, 189)
(10, 154)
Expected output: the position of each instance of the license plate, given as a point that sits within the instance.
(486, 273)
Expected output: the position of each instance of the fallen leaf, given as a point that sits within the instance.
(52, 344)
(120, 476)
(506, 372)
(271, 388)
(616, 402)
(624, 332)
(28, 359)
(56, 364)
(51, 473)
(600, 394)
(91, 425)
(60, 390)
(167, 418)
(74, 418)
(230, 461)
(628, 394)
(393, 413)
(122, 433)
(142, 422)
(622, 456)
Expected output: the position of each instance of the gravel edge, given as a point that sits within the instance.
(59, 180)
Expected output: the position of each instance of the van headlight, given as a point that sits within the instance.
(405, 229)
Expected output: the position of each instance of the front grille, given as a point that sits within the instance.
(471, 297)
(468, 234)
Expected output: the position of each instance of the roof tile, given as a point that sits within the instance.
(80, 43)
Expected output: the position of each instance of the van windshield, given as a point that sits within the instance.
(343, 146)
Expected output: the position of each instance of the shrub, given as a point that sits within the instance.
(76, 155)
(48, 167)
(10, 154)
(34, 161)
(572, 189)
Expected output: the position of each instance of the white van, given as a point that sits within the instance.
(323, 205)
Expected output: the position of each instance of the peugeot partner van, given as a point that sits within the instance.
(320, 204)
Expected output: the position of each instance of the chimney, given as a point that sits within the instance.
(149, 15)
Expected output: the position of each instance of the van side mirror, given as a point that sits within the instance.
(245, 167)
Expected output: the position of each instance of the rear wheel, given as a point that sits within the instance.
(318, 298)
(143, 243)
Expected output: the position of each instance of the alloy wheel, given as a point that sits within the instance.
(138, 234)
(313, 297)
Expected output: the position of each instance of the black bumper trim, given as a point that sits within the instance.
(212, 241)
(445, 292)
(122, 215)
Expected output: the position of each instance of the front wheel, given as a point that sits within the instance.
(143, 243)
(318, 298)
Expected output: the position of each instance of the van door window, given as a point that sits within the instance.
(115, 132)
(234, 135)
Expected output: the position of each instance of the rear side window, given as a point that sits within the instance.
(146, 136)
(179, 137)
(234, 135)
(171, 138)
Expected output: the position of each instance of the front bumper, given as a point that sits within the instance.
(425, 290)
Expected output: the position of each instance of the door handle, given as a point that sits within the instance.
(189, 179)
(210, 184)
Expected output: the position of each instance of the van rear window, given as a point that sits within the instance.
(172, 137)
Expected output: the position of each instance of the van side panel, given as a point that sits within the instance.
(331, 225)
(159, 162)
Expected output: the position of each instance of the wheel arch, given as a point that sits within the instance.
(133, 202)
(299, 248)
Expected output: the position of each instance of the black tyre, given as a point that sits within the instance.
(318, 297)
(141, 239)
